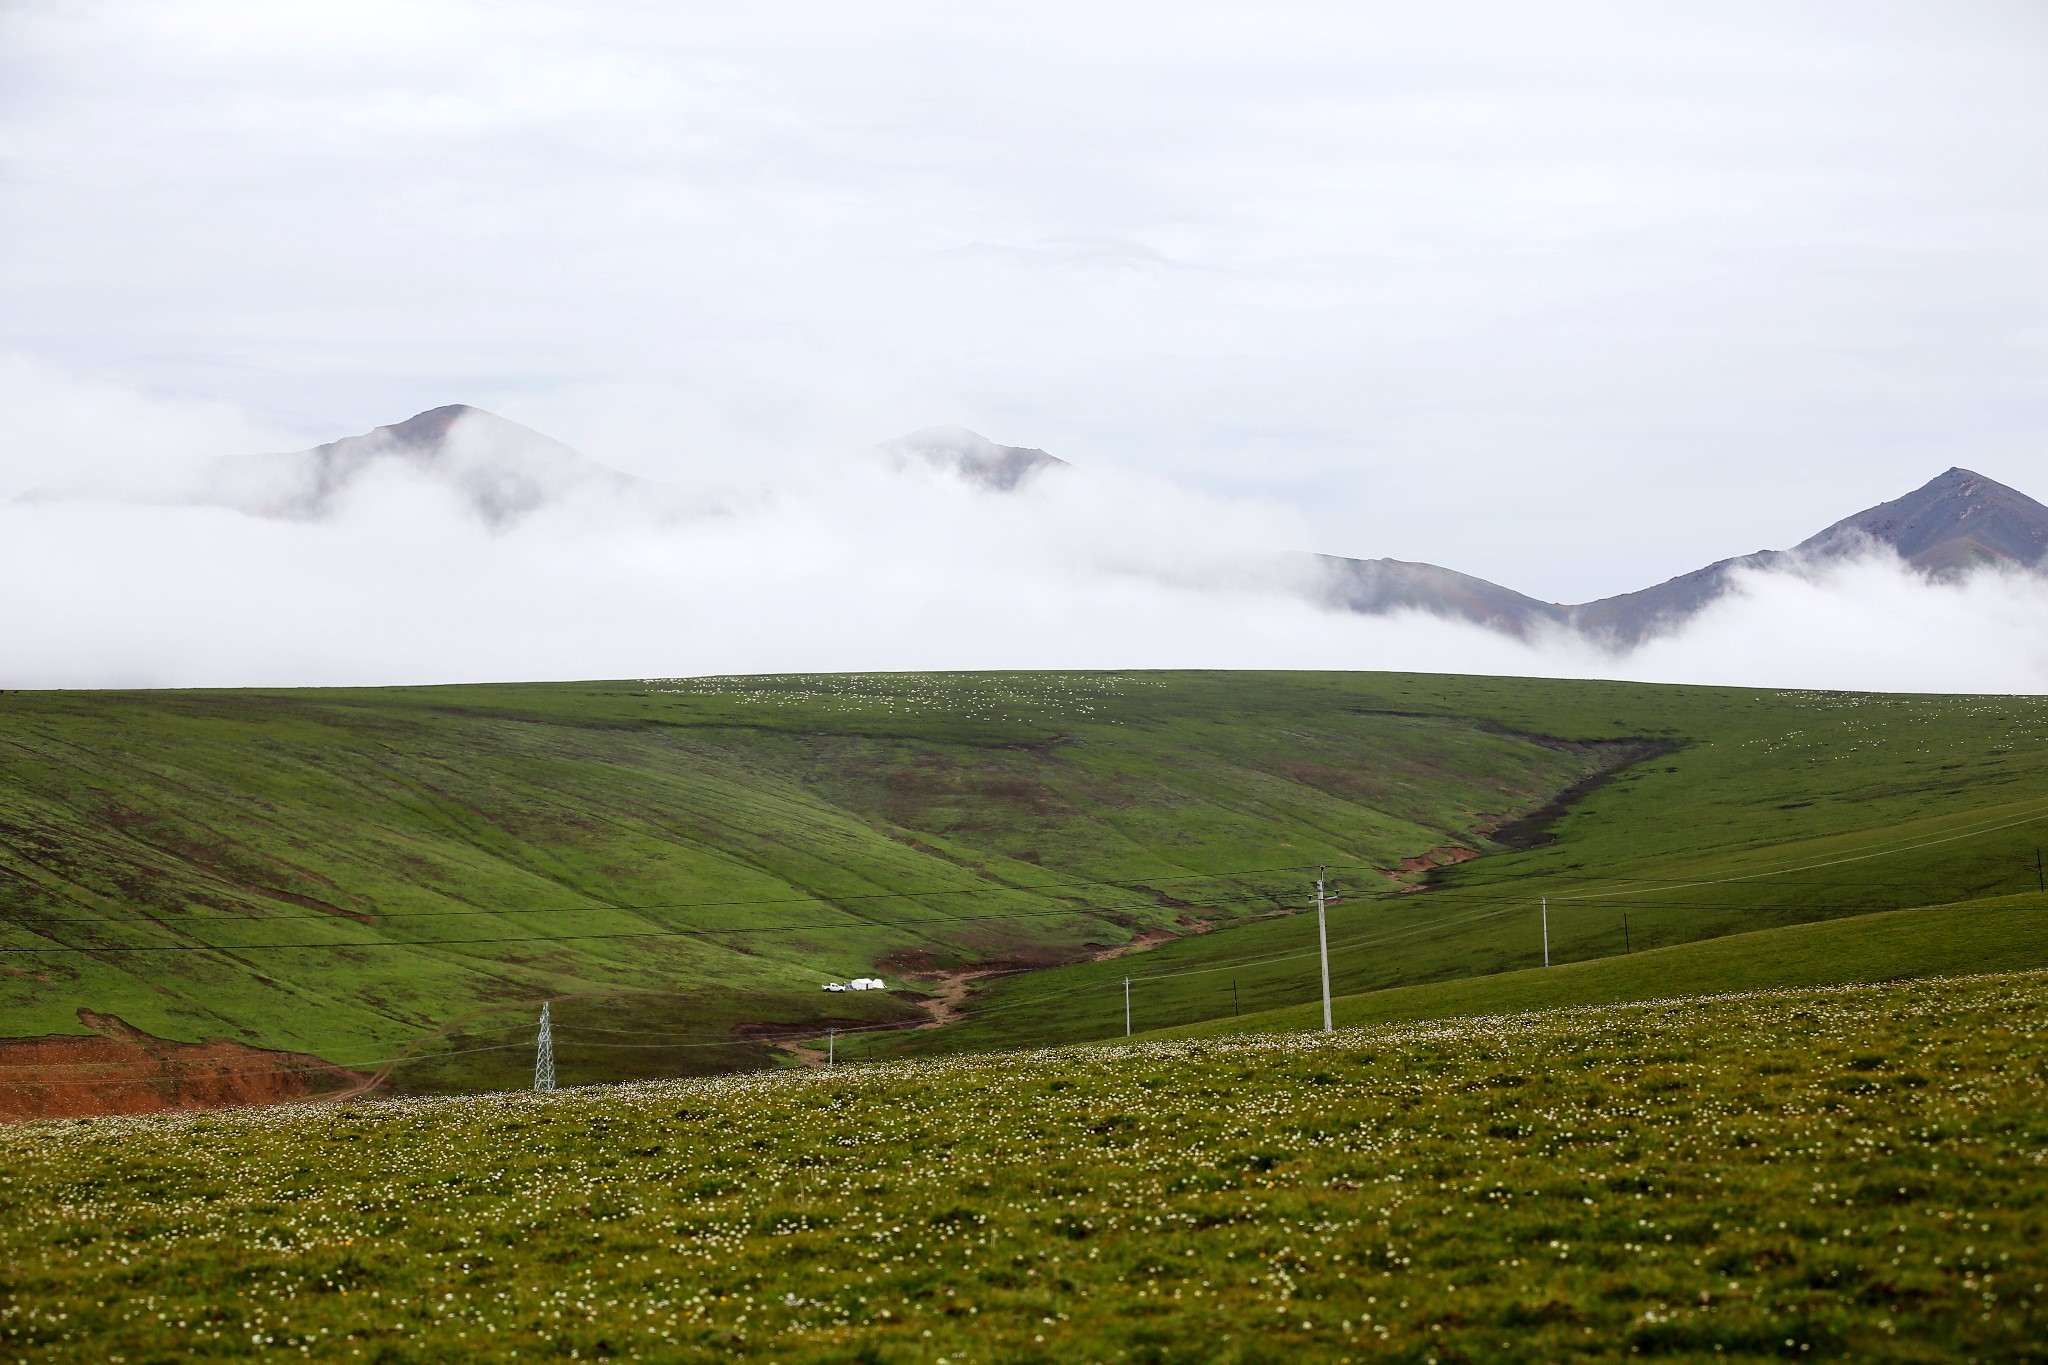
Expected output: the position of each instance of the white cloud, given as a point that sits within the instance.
(845, 566)
(1572, 296)
(65, 432)
(1869, 623)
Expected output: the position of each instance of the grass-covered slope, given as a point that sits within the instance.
(1774, 808)
(361, 874)
(1850, 1174)
(353, 874)
(1978, 936)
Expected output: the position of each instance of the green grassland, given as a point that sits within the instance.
(356, 874)
(1773, 809)
(2010, 934)
(363, 874)
(1846, 1174)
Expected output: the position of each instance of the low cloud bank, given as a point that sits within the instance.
(118, 575)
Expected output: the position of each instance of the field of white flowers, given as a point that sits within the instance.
(1850, 1174)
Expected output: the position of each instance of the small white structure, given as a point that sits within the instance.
(865, 983)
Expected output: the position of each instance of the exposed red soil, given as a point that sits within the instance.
(1443, 855)
(1197, 923)
(1137, 943)
(122, 1070)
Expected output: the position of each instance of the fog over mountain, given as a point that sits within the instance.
(971, 456)
(1571, 298)
(1957, 523)
(498, 469)
(459, 545)
(502, 472)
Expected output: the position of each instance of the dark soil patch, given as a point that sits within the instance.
(1533, 829)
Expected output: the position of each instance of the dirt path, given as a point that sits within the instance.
(949, 1004)
(1190, 925)
(1139, 942)
(952, 988)
(809, 1056)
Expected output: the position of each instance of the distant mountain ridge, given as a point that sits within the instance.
(1375, 587)
(1958, 521)
(1955, 523)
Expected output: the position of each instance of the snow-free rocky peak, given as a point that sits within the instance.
(1956, 521)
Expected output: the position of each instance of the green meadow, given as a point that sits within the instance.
(1848, 1173)
(2004, 935)
(1688, 1136)
(393, 879)
(1771, 810)
(409, 872)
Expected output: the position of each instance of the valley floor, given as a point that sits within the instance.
(1848, 1173)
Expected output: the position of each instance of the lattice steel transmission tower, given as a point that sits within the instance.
(544, 1055)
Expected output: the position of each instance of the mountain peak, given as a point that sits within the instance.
(434, 421)
(1955, 520)
(501, 470)
(972, 456)
(430, 430)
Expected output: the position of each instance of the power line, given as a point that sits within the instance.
(831, 899)
(882, 926)
(897, 1026)
(1128, 884)
(822, 897)
(1831, 862)
(286, 1068)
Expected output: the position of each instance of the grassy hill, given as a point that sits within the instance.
(2009, 934)
(355, 875)
(1774, 808)
(366, 875)
(1844, 1174)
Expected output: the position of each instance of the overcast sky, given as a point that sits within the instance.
(1570, 296)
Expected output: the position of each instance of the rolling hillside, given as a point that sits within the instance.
(1772, 809)
(403, 875)
(390, 881)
